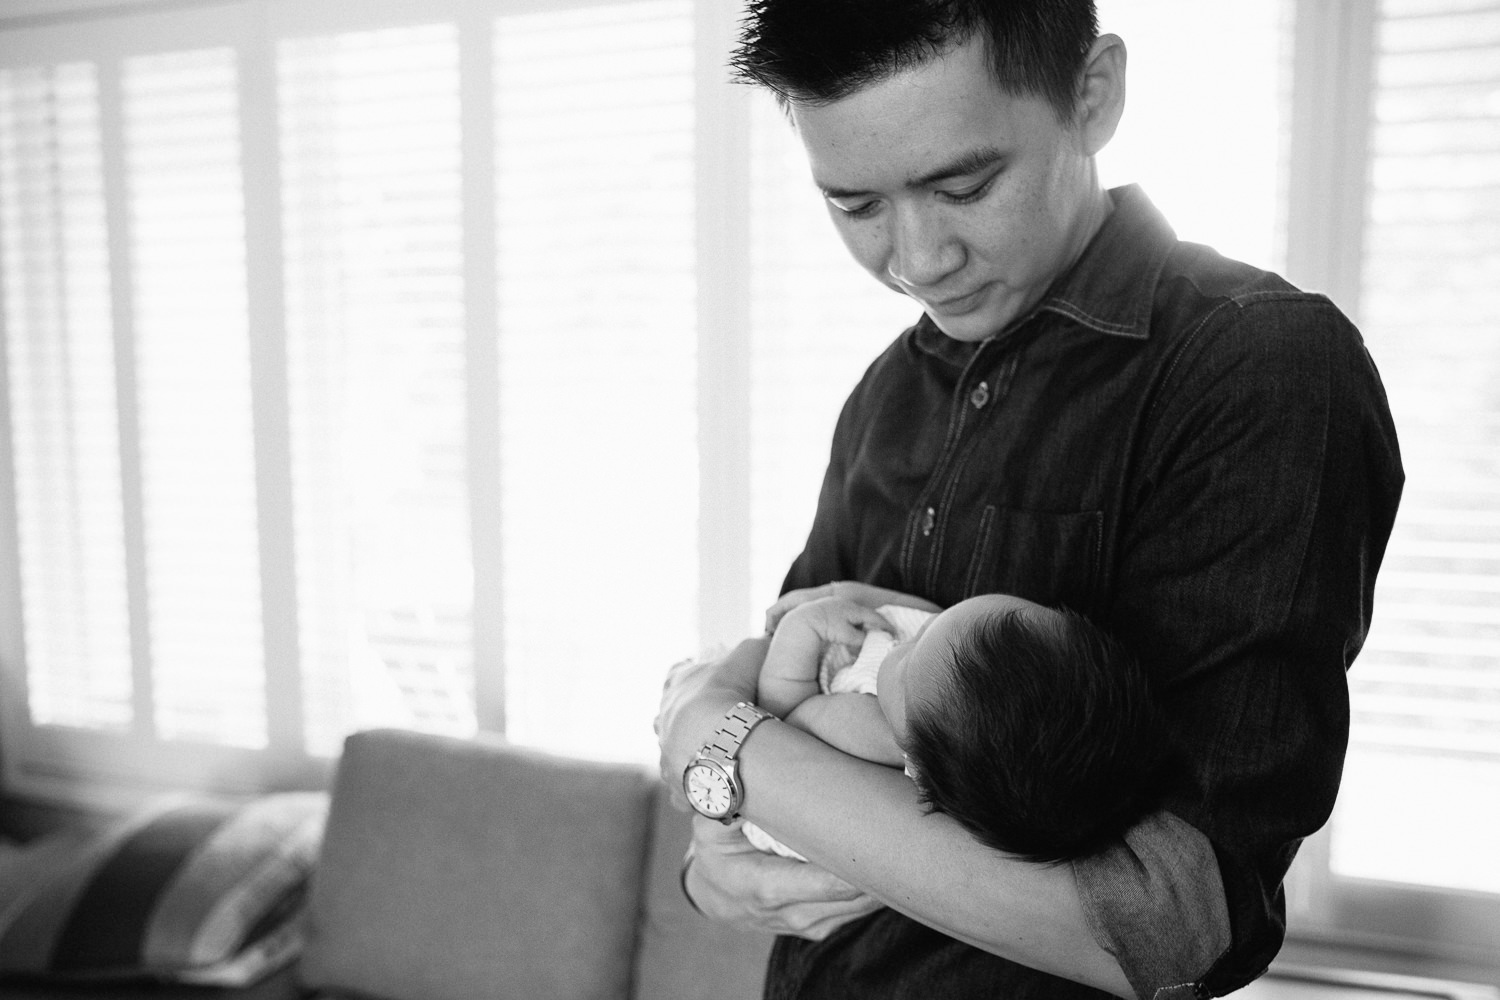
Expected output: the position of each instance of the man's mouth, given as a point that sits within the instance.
(957, 304)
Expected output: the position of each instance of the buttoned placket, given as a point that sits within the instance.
(981, 386)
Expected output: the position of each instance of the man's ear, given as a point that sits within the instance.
(1101, 98)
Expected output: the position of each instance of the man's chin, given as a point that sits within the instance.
(970, 328)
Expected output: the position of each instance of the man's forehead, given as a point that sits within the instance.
(852, 152)
(940, 119)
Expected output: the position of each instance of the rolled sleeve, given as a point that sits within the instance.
(1155, 901)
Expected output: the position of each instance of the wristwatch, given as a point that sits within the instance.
(711, 779)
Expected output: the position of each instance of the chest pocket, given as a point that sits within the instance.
(1045, 557)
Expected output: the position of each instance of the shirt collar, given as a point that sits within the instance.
(1113, 286)
(1110, 289)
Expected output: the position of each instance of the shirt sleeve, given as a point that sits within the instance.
(1154, 901)
(1266, 491)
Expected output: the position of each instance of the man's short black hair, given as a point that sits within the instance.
(817, 51)
(1042, 739)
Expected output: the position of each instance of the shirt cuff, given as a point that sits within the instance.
(1155, 901)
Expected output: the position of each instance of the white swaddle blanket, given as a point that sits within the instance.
(844, 672)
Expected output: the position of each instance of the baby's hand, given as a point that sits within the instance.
(842, 620)
(861, 593)
(790, 672)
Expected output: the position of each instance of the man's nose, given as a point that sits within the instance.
(923, 249)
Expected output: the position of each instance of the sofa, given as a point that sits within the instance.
(454, 869)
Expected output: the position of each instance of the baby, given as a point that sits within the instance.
(1026, 724)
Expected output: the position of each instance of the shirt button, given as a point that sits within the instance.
(929, 521)
(980, 397)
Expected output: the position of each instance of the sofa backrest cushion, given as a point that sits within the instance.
(459, 869)
(685, 956)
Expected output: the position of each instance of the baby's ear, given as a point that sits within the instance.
(909, 767)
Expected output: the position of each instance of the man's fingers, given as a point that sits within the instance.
(798, 885)
(774, 905)
(809, 902)
(815, 921)
(730, 880)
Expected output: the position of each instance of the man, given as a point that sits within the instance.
(1188, 450)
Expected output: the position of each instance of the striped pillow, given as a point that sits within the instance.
(187, 888)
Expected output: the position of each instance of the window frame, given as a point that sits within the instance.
(81, 767)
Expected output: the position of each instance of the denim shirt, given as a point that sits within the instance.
(1200, 458)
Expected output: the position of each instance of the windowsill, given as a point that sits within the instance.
(1304, 959)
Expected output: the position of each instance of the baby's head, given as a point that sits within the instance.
(1027, 724)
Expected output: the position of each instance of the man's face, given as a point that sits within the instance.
(949, 190)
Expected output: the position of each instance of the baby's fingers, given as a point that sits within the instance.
(792, 599)
(851, 622)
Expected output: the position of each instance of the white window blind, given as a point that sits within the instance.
(60, 355)
(192, 397)
(375, 353)
(150, 421)
(1421, 799)
(598, 459)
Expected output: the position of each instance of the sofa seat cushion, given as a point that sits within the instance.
(455, 869)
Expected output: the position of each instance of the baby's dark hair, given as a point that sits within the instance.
(1042, 739)
(817, 51)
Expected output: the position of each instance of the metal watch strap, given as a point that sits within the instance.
(737, 724)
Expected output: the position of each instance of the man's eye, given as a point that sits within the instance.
(860, 210)
(968, 195)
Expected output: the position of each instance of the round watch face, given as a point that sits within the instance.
(708, 790)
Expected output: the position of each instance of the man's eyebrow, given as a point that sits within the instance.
(969, 163)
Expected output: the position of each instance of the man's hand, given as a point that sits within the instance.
(860, 593)
(730, 880)
(694, 700)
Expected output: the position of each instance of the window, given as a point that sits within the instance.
(371, 192)
(817, 321)
(360, 360)
(1410, 190)
(1428, 688)
(598, 362)
(1218, 181)
(460, 365)
(190, 349)
(61, 365)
